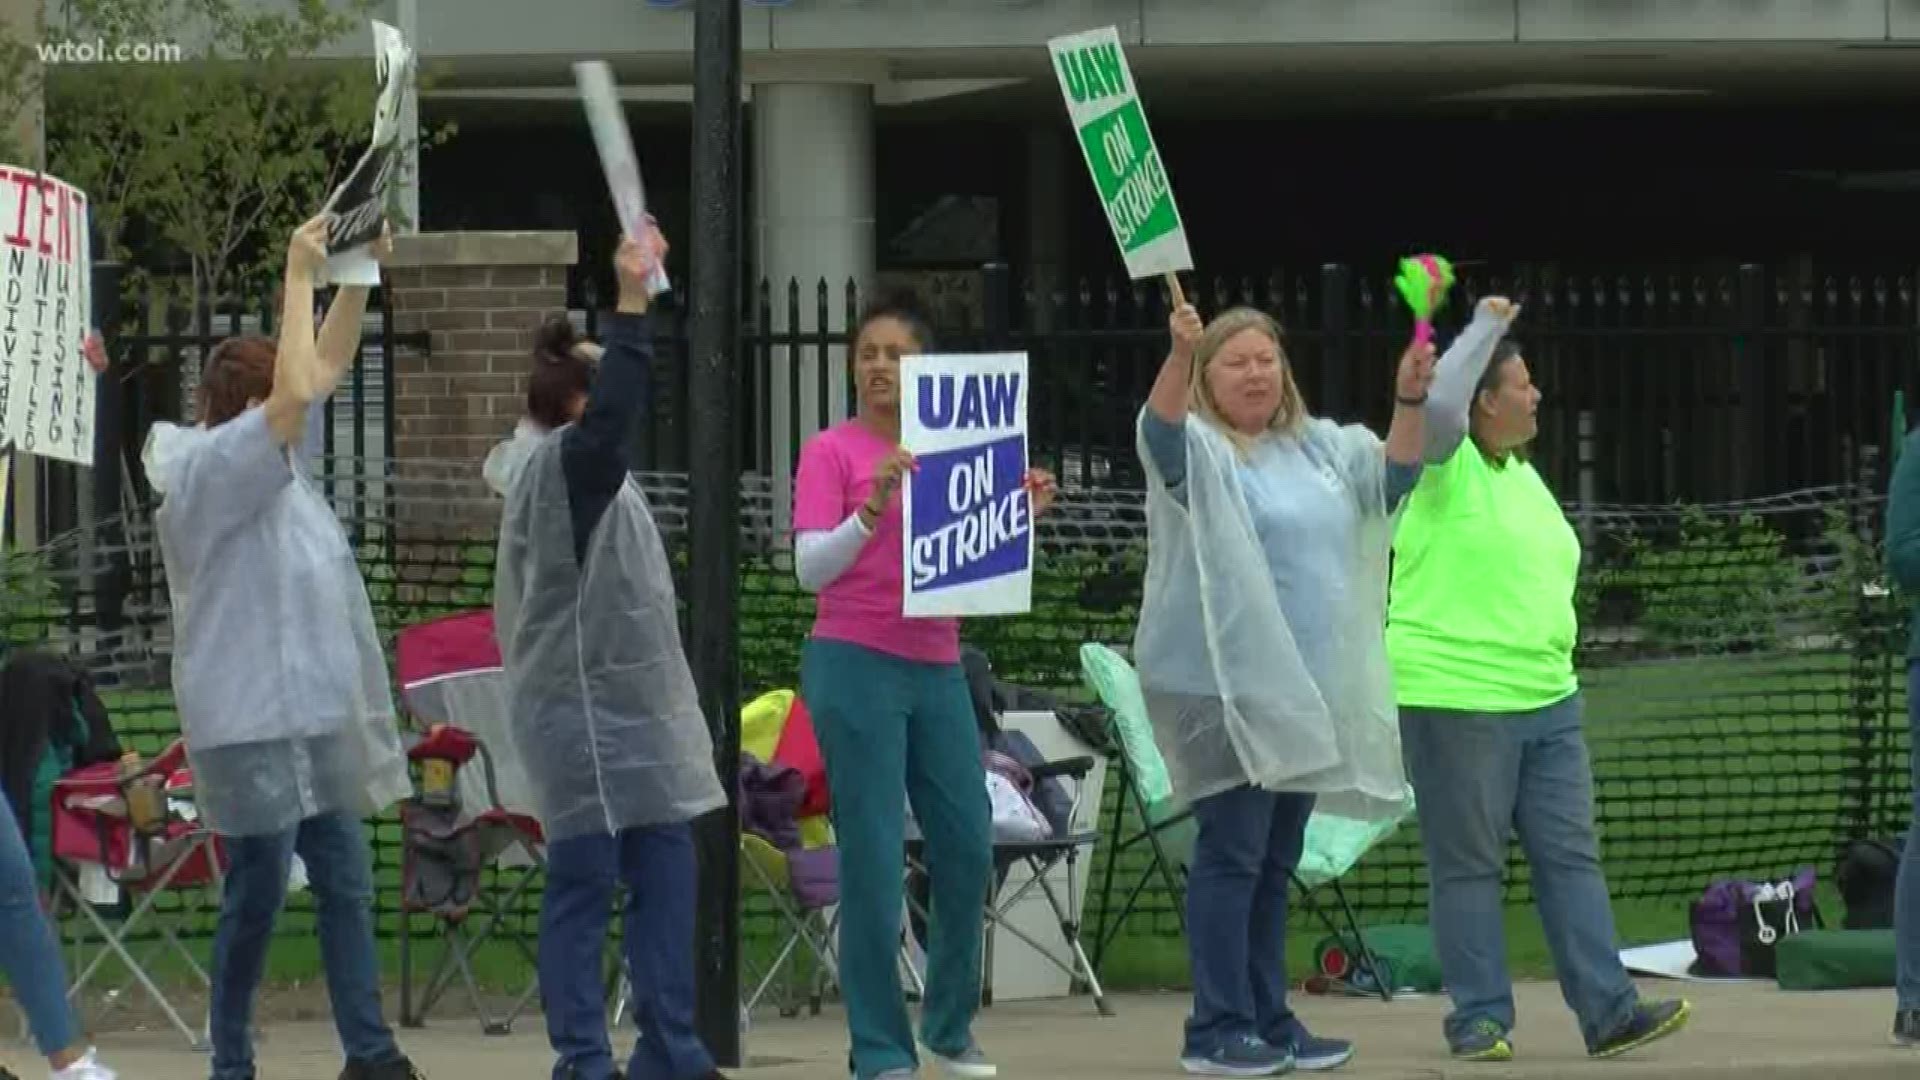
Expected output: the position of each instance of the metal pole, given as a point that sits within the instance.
(714, 514)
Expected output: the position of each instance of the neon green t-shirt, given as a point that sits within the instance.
(1481, 615)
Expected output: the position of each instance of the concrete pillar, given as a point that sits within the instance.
(813, 219)
(407, 21)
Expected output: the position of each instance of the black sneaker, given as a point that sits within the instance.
(1906, 1028)
(1650, 1021)
(399, 1068)
(1486, 1041)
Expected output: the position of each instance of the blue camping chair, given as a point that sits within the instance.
(1334, 844)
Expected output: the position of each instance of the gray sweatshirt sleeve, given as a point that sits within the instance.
(1454, 377)
(1167, 445)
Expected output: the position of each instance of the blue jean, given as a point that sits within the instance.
(28, 953)
(1248, 845)
(1906, 895)
(1478, 778)
(660, 870)
(893, 730)
(340, 875)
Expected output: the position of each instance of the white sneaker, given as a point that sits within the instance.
(969, 1064)
(87, 1068)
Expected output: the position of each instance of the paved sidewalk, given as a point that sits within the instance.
(1748, 1032)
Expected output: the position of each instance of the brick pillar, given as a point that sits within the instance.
(479, 296)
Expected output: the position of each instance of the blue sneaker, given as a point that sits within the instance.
(1310, 1052)
(1649, 1021)
(1485, 1041)
(1245, 1056)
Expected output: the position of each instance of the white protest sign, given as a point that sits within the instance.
(966, 512)
(361, 199)
(46, 299)
(1111, 126)
(617, 159)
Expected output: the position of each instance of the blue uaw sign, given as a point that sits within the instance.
(968, 514)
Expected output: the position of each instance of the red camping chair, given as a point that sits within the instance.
(462, 822)
(97, 850)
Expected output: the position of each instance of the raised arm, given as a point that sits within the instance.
(1409, 425)
(339, 336)
(299, 376)
(596, 451)
(1459, 372)
(1165, 418)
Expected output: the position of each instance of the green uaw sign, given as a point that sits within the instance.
(1126, 166)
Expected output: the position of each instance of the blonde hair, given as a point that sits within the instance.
(1292, 412)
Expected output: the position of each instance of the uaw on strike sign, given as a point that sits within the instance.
(46, 297)
(967, 514)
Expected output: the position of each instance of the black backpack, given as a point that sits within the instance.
(1865, 876)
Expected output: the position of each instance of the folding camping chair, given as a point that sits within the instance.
(100, 860)
(775, 727)
(811, 928)
(1038, 858)
(461, 821)
(1333, 843)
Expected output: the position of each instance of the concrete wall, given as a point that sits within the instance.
(495, 27)
(515, 28)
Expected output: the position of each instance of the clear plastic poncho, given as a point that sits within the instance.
(1230, 698)
(278, 674)
(605, 715)
(508, 458)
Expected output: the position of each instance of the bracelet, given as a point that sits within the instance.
(1411, 402)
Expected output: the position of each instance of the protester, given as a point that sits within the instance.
(604, 712)
(1481, 631)
(893, 714)
(30, 956)
(278, 673)
(29, 953)
(1903, 561)
(563, 367)
(1260, 653)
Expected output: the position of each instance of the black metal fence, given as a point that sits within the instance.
(1662, 384)
(1741, 654)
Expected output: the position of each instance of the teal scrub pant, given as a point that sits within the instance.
(890, 728)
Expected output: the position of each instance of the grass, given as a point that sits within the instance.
(1702, 766)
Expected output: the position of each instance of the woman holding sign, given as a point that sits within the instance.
(1490, 710)
(277, 666)
(890, 704)
(1261, 653)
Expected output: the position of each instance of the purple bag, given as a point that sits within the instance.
(1736, 925)
(814, 875)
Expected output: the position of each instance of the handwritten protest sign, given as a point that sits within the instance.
(46, 296)
(617, 159)
(361, 199)
(967, 514)
(1127, 171)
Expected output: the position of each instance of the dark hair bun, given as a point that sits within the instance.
(556, 337)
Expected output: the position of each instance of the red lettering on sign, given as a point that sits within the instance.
(22, 183)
